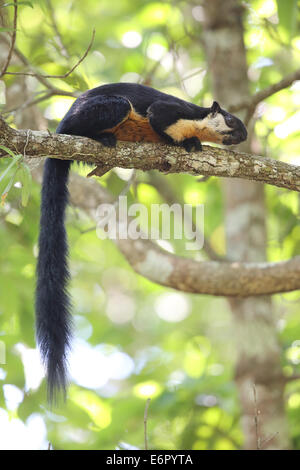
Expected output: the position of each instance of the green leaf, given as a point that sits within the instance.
(7, 150)
(287, 14)
(16, 158)
(8, 187)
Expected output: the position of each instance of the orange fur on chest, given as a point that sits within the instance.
(135, 128)
(185, 129)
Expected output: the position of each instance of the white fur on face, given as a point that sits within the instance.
(218, 123)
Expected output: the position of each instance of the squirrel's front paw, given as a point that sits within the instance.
(192, 143)
(107, 138)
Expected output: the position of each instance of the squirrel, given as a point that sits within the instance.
(119, 111)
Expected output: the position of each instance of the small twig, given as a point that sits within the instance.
(203, 179)
(91, 229)
(268, 440)
(39, 96)
(186, 77)
(45, 95)
(53, 91)
(260, 443)
(145, 422)
(256, 420)
(65, 75)
(13, 40)
(99, 171)
(55, 27)
(128, 185)
(26, 62)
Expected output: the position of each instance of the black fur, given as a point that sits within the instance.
(53, 321)
(162, 114)
(140, 96)
(92, 115)
(215, 108)
(192, 143)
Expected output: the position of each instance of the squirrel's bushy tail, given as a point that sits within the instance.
(53, 319)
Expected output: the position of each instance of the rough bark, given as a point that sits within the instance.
(212, 161)
(185, 274)
(253, 319)
(214, 278)
(259, 351)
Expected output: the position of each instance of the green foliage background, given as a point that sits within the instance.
(185, 367)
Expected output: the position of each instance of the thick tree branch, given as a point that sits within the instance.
(210, 277)
(264, 94)
(211, 161)
(235, 279)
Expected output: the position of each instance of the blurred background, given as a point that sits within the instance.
(134, 339)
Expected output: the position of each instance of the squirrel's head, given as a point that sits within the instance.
(230, 129)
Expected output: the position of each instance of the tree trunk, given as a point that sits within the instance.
(258, 374)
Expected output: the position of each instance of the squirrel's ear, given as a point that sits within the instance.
(215, 108)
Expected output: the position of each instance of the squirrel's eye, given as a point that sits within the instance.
(230, 120)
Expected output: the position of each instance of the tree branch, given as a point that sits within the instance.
(211, 161)
(58, 36)
(13, 40)
(44, 81)
(267, 92)
(44, 95)
(65, 75)
(210, 277)
(236, 279)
